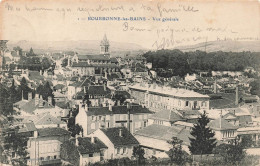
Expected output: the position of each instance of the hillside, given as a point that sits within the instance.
(82, 47)
(226, 46)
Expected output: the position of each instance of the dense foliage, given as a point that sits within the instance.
(138, 154)
(45, 91)
(202, 141)
(15, 146)
(232, 153)
(182, 63)
(176, 154)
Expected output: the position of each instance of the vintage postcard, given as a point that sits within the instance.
(121, 82)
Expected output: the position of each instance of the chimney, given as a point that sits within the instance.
(92, 139)
(236, 93)
(22, 96)
(29, 96)
(35, 134)
(36, 98)
(85, 90)
(120, 133)
(110, 106)
(105, 87)
(49, 99)
(128, 106)
(105, 74)
(69, 60)
(215, 86)
(41, 101)
(40, 72)
(118, 103)
(77, 141)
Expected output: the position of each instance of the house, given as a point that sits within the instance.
(93, 118)
(85, 150)
(44, 144)
(37, 105)
(95, 64)
(191, 77)
(44, 120)
(157, 97)
(165, 117)
(154, 139)
(224, 130)
(119, 141)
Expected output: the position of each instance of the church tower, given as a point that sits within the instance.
(104, 46)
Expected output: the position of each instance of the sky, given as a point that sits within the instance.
(151, 24)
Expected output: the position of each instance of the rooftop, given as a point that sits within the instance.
(168, 91)
(86, 146)
(48, 132)
(126, 139)
(221, 124)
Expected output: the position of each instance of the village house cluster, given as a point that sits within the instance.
(120, 103)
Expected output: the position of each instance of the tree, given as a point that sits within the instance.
(202, 141)
(6, 105)
(3, 46)
(45, 91)
(176, 154)
(31, 53)
(255, 87)
(246, 141)
(138, 153)
(232, 152)
(46, 63)
(15, 146)
(19, 49)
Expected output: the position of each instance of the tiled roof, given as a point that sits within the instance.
(117, 110)
(43, 119)
(59, 86)
(221, 124)
(165, 132)
(179, 93)
(97, 90)
(123, 93)
(48, 132)
(27, 127)
(167, 115)
(126, 139)
(93, 57)
(86, 146)
(113, 60)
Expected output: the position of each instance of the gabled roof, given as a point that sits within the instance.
(136, 109)
(162, 132)
(167, 115)
(113, 135)
(86, 146)
(98, 90)
(43, 119)
(27, 127)
(221, 124)
(48, 132)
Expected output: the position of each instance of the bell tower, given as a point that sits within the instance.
(104, 46)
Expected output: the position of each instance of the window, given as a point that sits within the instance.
(55, 157)
(117, 150)
(93, 126)
(100, 117)
(92, 118)
(91, 155)
(42, 158)
(187, 103)
(107, 124)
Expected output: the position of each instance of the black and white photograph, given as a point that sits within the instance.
(129, 83)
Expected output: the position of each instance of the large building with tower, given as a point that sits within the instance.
(90, 65)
